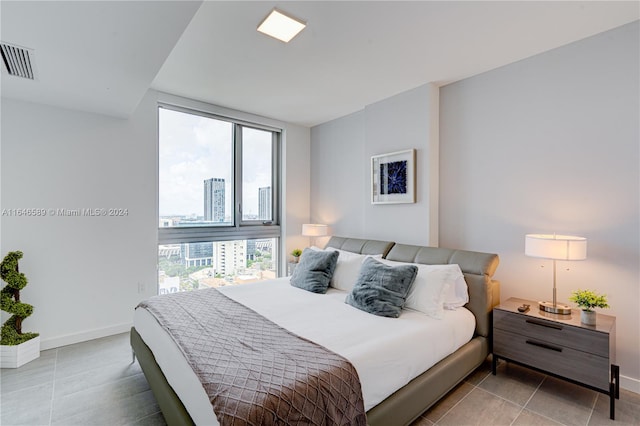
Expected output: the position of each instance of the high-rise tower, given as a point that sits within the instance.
(214, 200)
(264, 203)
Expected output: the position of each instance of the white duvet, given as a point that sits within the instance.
(387, 353)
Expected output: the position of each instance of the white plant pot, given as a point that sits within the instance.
(16, 355)
(588, 317)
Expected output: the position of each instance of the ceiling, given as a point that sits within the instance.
(103, 56)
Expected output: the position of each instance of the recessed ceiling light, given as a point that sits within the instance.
(281, 26)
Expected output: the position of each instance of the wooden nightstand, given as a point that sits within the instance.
(559, 345)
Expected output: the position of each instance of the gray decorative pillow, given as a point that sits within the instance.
(382, 289)
(315, 270)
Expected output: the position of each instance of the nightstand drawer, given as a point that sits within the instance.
(554, 358)
(553, 332)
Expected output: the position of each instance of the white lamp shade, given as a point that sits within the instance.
(559, 247)
(314, 230)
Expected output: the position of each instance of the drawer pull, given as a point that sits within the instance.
(544, 324)
(544, 345)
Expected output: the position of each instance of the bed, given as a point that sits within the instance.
(405, 404)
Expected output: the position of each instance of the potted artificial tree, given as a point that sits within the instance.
(16, 348)
(587, 300)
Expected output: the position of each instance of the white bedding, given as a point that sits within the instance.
(386, 352)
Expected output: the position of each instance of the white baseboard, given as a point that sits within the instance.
(630, 384)
(69, 339)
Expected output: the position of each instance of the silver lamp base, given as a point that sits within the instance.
(555, 308)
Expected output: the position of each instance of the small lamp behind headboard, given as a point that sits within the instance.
(314, 230)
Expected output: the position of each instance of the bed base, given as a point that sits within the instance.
(410, 401)
(172, 408)
(401, 408)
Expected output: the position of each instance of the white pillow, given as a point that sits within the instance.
(431, 287)
(347, 268)
(458, 294)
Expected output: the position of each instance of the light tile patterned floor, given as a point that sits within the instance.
(520, 396)
(90, 383)
(95, 383)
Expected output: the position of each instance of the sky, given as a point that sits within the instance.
(194, 148)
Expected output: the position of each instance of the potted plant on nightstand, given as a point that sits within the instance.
(296, 255)
(16, 348)
(587, 300)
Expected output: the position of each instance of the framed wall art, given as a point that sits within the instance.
(393, 177)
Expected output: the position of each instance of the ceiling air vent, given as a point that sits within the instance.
(18, 60)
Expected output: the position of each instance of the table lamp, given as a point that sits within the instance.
(314, 230)
(555, 247)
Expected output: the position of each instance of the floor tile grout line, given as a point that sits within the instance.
(556, 421)
(461, 399)
(547, 417)
(486, 376)
(593, 407)
(5, 394)
(147, 416)
(454, 406)
(103, 384)
(37, 385)
(528, 400)
(546, 376)
(53, 387)
(523, 406)
(501, 397)
(98, 367)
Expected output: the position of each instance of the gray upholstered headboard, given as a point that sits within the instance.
(357, 245)
(478, 269)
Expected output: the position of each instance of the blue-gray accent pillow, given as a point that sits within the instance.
(382, 289)
(315, 270)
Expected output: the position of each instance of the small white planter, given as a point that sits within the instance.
(588, 317)
(16, 355)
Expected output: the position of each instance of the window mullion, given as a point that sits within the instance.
(275, 178)
(237, 163)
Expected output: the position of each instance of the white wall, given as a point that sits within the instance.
(341, 153)
(551, 144)
(296, 187)
(84, 271)
(338, 166)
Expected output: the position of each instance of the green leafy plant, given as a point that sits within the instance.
(10, 301)
(296, 252)
(587, 300)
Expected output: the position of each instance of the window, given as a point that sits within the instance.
(257, 168)
(218, 198)
(190, 266)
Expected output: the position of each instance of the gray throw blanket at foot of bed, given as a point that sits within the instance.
(254, 371)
